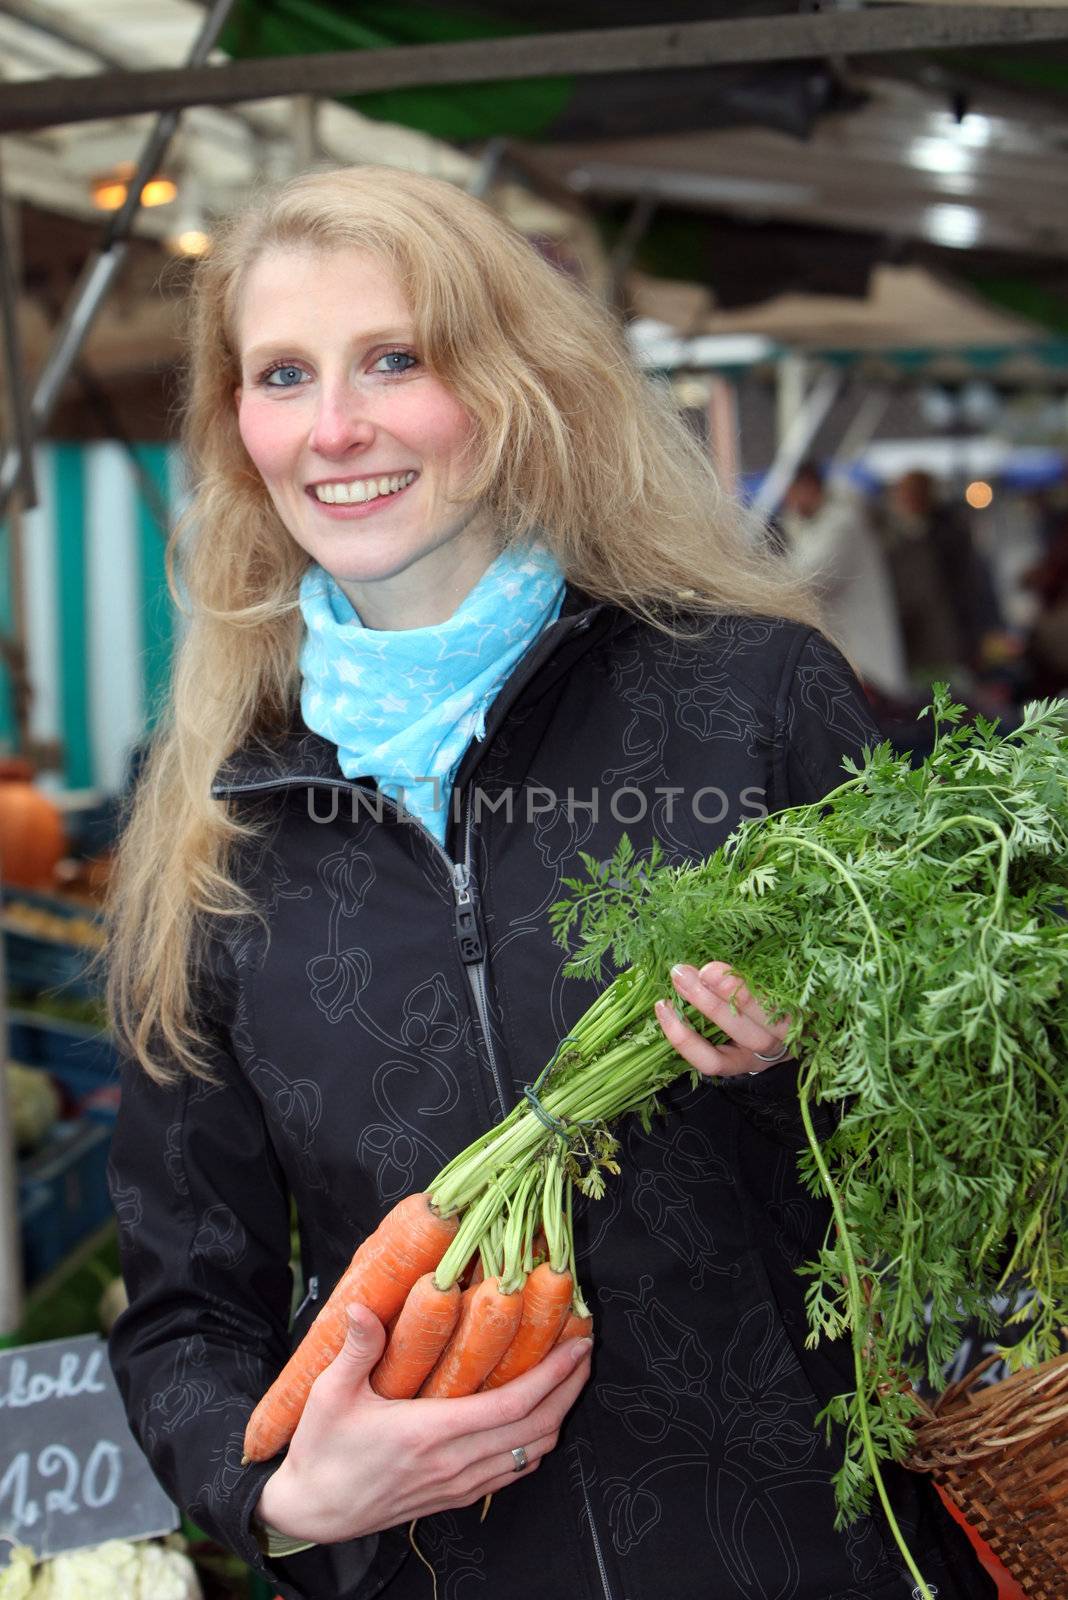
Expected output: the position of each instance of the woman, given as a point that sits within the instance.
(446, 547)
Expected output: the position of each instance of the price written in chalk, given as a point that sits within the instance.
(91, 1485)
(71, 1473)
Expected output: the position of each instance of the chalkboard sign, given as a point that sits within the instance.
(71, 1473)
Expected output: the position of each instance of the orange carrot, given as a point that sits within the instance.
(487, 1325)
(409, 1241)
(420, 1333)
(575, 1327)
(546, 1307)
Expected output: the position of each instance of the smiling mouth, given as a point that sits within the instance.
(358, 491)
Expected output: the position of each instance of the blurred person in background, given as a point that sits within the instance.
(945, 597)
(1047, 645)
(829, 540)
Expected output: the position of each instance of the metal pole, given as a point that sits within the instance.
(631, 235)
(13, 367)
(791, 382)
(861, 430)
(797, 439)
(305, 131)
(101, 270)
(723, 432)
(485, 174)
(13, 647)
(10, 1252)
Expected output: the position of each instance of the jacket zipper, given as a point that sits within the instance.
(598, 1552)
(467, 921)
(473, 951)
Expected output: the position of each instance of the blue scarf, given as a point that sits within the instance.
(402, 706)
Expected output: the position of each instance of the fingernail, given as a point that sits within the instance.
(684, 974)
(582, 1348)
(710, 974)
(663, 1008)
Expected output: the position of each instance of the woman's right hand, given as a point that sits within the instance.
(358, 1463)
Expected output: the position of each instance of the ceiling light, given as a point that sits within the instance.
(940, 155)
(190, 242)
(188, 234)
(109, 192)
(973, 130)
(956, 226)
(980, 403)
(158, 192)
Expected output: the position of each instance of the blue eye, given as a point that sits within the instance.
(397, 362)
(287, 376)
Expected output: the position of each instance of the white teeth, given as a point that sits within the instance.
(362, 490)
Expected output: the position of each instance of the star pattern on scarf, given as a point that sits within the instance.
(403, 705)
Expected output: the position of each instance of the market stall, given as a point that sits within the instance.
(666, 172)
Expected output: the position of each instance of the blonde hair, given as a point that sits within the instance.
(568, 437)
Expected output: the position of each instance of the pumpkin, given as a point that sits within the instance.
(31, 829)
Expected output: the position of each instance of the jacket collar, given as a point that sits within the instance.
(298, 756)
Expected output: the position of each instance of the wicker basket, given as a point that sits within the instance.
(1001, 1453)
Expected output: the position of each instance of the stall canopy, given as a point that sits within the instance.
(759, 178)
(905, 308)
(789, 95)
(743, 171)
(760, 182)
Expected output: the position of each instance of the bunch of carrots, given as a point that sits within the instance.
(474, 1280)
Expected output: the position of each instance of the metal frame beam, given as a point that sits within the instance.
(47, 102)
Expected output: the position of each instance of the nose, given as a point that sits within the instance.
(341, 422)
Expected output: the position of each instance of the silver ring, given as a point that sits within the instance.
(519, 1456)
(771, 1060)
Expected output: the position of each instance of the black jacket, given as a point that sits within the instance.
(397, 1001)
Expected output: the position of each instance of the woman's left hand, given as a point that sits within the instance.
(720, 995)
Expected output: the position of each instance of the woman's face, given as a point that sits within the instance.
(359, 445)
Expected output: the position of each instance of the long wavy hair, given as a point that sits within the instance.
(568, 437)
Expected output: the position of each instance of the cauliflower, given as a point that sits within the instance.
(34, 1101)
(117, 1570)
(16, 1579)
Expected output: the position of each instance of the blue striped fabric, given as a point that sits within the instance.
(99, 622)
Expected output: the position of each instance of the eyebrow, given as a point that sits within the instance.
(271, 347)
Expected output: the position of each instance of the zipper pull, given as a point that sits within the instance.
(467, 930)
(310, 1298)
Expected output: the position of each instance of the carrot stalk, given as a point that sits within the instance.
(546, 1307)
(487, 1326)
(423, 1327)
(409, 1241)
